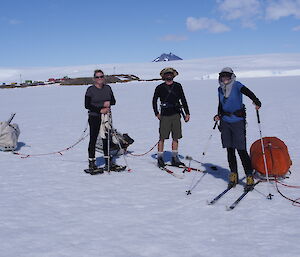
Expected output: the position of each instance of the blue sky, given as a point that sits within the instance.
(64, 32)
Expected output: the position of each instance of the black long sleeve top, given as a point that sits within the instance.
(170, 96)
(95, 98)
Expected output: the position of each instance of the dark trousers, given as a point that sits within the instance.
(246, 162)
(94, 123)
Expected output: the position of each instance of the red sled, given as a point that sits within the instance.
(277, 157)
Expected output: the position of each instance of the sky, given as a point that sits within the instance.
(38, 33)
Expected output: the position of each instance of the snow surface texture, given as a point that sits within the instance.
(51, 208)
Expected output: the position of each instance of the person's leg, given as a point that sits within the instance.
(94, 123)
(176, 134)
(239, 139)
(160, 153)
(105, 152)
(246, 162)
(164, 133)
(232, 159)
(233, 176)
(175, 145)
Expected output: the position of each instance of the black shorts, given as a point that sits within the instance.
(170, 124)
(233, 135)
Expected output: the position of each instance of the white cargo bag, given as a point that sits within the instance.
(9, 134)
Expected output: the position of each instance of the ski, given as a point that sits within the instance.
(213, 201)
(186, 168)
(236, 202)
(118, 168)
(176, 175)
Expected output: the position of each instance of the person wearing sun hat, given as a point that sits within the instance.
(232, 116)
(172, 100)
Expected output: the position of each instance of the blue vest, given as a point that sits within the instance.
(233, 103)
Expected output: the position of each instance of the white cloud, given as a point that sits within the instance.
(245, 10)
(297, 28)
(171, 37)
(203, 23)
(14, 21)
(283, 8)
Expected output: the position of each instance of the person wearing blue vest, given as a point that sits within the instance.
(232, 117)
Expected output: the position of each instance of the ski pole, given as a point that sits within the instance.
(108, 142)
(11, 118)
(192, 186)
(264, 155)
(208, 141)
(119, 144)
(190, 158)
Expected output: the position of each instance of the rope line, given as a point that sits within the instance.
(82, 137)
(137, 155)
(295, 202)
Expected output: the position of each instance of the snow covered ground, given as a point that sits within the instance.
(264, 65)
(51, 208)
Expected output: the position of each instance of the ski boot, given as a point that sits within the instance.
(249, 183)
(112, 166)
(160, 162)
(93, 169)
(233, 179)
(176, 162)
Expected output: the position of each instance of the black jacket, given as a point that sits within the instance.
(170, 97)
(95, 98)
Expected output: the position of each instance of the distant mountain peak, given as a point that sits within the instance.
(167, 57)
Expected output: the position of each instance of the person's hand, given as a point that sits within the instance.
(187, 118)
(158, 116)
(104, 110)
(217, 118)
(256, 106)
(106, 104)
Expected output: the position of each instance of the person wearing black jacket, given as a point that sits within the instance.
(232, 116)
(98, 99)
(170, 94)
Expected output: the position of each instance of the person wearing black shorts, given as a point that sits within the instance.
(170, 94)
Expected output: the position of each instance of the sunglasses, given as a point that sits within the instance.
(225, 74)
(99, 77)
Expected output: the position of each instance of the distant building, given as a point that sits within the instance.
(167, 57)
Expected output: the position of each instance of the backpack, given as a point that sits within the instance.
(277, 156)
(9, 134)
(115, 139)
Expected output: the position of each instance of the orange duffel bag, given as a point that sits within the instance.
(277, 156)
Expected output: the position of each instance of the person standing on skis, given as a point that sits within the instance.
(98, 99)
(232, 116)
(170, 94)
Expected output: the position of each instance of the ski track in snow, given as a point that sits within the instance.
(51, 208)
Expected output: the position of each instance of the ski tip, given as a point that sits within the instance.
(230, 208)
(209, 202)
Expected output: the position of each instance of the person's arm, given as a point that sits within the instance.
(184, 102)
(246, 91)
(154, 102)
(220, 111)
(113, 99)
